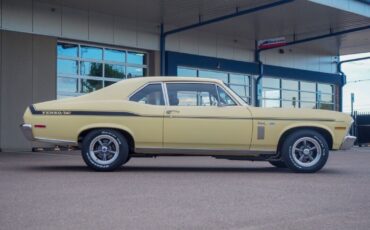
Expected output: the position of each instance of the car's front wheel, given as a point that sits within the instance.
(105, 149)
(305, 151)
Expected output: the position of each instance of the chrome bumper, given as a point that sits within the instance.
(348, 142)
(27, 131)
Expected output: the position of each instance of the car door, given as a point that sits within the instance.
(204, 116)
(147, 126)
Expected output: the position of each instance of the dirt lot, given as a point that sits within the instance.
(56, 191)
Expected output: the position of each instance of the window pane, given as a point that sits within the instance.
(271, 93)
(240, 90)
(308, 96)
(114, 71)
(67, 50)
(308, 105)
(91, 52)
(325, 88)
(326, 98)
(308, 86)
(88, 86)
(271, 103)
(224, 97)
(133, 72)
(67, 67)
(151, 94)
(186, 72)
(136, 58)
(213, 74)
(67, 85)
(191, 94)
(91, 69)
(289, 84)
(326, 106)
(239, 79)
(289, 104)
(114, 55)
(289, 95)
(270, 82)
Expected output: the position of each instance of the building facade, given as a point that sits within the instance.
(57, 49)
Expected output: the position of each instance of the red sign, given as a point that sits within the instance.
(271, 43)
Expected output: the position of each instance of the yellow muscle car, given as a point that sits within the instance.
(181, 116)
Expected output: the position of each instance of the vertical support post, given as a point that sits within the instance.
(258, 87)
(162, 50)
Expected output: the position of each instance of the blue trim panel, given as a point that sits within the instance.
(174, 59)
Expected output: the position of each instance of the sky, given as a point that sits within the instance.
(358, 82)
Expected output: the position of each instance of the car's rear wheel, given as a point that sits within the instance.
(105, 149)
(305, 151)
(278, 164)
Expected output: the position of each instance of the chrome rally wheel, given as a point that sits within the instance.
(305, 150)
(104, 149)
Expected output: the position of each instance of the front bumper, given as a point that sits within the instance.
(348, 142)
(27, 131)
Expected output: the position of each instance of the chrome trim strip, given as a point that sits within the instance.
(202, 151)
(165, 94)
(292, 119)
(143, 86)
(55, 141)
(205, 82)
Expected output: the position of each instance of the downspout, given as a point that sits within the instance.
(258, 88)
(237, 13)
(331, 34)
(162, 48)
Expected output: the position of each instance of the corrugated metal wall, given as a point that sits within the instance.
(86, 25)
(28, 75)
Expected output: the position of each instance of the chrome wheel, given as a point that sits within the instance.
(306, 151)
(104, 149)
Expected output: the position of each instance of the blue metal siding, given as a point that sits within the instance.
(175, 59)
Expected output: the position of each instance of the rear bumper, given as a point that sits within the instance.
(27, 131)
(348, 142)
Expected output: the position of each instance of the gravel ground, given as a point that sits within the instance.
(54, 190)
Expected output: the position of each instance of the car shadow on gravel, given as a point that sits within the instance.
(160, 169)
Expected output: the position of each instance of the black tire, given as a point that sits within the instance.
(278, 164)
(115, 153)
(315, 151)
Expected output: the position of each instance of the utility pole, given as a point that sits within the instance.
(352, 101)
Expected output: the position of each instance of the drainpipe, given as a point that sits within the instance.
(162, 48)
(331, 34)
(237, 13)
(258, 87)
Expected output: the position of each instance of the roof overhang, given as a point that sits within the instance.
(297, 20)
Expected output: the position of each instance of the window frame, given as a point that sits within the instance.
(145, 85)
(248, 99)
(299, 101)
(195, 82)
(78, 58)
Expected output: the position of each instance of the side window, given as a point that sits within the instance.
(225, 99)
(151, 94)
(192, 94)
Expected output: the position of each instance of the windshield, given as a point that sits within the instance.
(236, 95)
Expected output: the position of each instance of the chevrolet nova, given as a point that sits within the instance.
(175, 116)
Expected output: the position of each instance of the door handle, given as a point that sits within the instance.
(172, 111)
